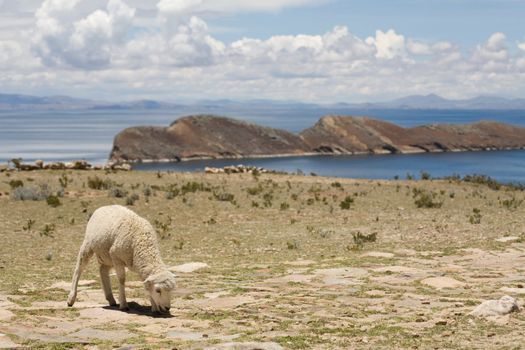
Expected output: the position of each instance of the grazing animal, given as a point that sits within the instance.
(120, 238)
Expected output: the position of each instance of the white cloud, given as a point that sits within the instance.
(388, 44)
(63, 39)
(494, 49)
(166, 50)
(230, 6)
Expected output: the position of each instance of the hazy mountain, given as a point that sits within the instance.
(432, 101)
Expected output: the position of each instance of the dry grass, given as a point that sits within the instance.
(213, 219)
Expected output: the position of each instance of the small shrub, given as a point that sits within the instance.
(117, 192)
(224, 197)
(425, 199)
(53, 201)
(30, 193)
(359, 239)
(211, 221)
(29, 225)
(179, 244)
(267, 200)
(64, 180)
(16, 183)
(163, 227)
(285, 206)
(425, 175)
(47, 230)
(511, 204)
(347, 203)
(96, 183)
(147, 191)
(291, 245)
(130, 200)
(483, 180)
(254, 191)
(336, 184)
(192, 187)
(475, 217)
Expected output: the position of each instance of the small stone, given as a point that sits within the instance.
(441, 322)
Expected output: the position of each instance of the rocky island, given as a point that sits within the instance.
(206, 136)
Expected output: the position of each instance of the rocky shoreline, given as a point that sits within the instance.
(17, 164)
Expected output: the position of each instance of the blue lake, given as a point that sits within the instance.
(88, 134)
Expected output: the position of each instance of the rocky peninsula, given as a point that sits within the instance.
(207, 136)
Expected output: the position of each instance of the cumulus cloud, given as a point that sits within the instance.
(388, 44)
(61, 38)
(494, 49)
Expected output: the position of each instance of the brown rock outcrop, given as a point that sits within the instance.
(218, 137)
(350, 135)
(204, 137)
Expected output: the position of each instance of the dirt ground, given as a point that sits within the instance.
(298, 262)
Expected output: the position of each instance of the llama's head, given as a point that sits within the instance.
(159, 286)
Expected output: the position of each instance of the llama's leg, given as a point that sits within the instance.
(121, 276)
(82, 260)
(106, 284)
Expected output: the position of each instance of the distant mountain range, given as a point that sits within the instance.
(427, 102)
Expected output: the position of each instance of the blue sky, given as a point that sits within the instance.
(467, 22)
(303, 50)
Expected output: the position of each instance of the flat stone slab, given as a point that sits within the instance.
(342, 276)
(6, 343)
(99, 334)
(378, 255)
(246, 346)
(6, 315)
(443, 283)
(41, 335)
(189, 267)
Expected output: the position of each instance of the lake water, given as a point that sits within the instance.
(68, 135)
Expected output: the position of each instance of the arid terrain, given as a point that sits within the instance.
(298, 262)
